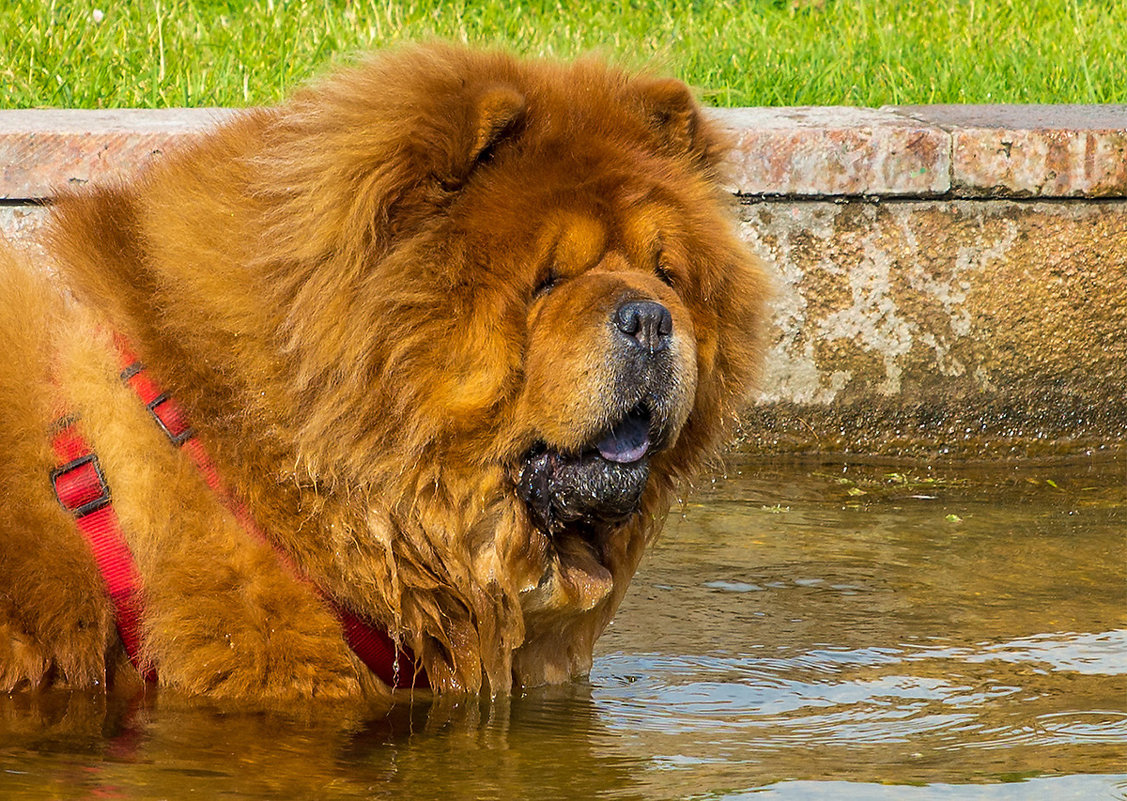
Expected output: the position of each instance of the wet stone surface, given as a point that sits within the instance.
(956, 324)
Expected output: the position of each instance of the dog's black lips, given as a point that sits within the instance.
(602, 483)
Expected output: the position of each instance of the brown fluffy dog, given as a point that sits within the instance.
(452, 326)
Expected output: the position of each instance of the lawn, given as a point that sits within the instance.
(159, 53)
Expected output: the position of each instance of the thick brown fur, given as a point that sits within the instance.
(373, 302)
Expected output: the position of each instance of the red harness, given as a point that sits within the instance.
(82, 490)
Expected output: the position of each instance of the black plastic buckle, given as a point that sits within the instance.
(131, 370)
(176, 439)
(90, 506)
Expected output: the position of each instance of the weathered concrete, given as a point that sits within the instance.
(970, 328)
(904, 151)
(929, 151)
(21, 224)
(927, 305)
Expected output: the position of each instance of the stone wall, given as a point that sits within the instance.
(950, 282)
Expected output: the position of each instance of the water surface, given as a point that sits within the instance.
(798, 633)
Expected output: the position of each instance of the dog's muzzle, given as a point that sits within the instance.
(603, 481)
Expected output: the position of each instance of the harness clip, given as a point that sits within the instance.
(80, 486)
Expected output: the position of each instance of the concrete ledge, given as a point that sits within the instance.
(903, 151)
(930, 151)
(45, 150)
(835, 151)
(1033, 151)
(951, 282)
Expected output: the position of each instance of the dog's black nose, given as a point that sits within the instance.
(647, 323)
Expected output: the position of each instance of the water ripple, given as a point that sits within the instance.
(987, 696)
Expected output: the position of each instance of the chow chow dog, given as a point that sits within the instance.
(389, 386)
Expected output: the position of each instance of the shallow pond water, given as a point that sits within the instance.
(798, 633)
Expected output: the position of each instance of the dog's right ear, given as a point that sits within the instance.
(489, 116)
(348, 162)
(676, 124)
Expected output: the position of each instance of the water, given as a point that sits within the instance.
(798, 633)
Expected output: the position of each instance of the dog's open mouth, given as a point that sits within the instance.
(602, 483)
(628, 441)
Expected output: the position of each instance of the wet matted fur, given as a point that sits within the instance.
(453, 325)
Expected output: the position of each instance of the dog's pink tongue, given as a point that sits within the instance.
(626, 442)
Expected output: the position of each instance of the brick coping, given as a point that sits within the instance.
(1016, 151)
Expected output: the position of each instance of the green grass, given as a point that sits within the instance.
(157, 53)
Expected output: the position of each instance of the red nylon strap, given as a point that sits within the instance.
(394, 665)
(82, 491)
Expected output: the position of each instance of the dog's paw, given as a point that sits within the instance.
(264, 657)
(300, 664)
(24, 665)
(72, 657)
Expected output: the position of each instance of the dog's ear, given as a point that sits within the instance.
(674, 119)
(491, 114)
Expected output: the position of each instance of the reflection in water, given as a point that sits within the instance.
(76, 746)
(796, 634)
